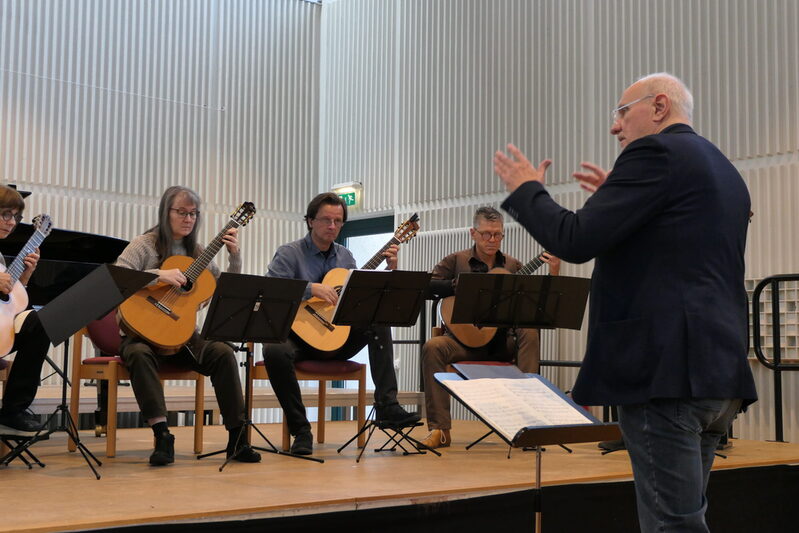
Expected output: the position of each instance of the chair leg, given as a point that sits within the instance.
(111, 415)
(321, 412)
(362, 406)
(199, 408)
(286, 436)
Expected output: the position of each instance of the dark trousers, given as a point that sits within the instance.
(31, 345)
(279, 360)
(441, 351)
(214, 359)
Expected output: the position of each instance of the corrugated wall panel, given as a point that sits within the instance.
(104, 103)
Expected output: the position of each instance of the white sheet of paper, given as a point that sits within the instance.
(509, 405)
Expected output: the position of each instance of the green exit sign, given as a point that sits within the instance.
(348, 197)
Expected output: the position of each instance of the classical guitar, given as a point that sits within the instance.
(469, 334)
(165, 315)
(16, 301)
(313, 321)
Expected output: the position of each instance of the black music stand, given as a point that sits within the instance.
(91, 298)
(512, 301)
(384, 298)
(247, 309)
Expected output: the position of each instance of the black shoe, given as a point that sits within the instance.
(21, 424)
(393, 414)
(164, 452)
(612, 445)
(244, 454)
(303, 443)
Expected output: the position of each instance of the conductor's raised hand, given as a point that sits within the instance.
(515, 169)
(593, 179)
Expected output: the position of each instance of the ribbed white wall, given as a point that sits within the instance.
(105, 103)
(419, 94)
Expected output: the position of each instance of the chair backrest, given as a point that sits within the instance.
(104, 334)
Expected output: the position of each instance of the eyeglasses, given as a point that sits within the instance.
(8, 215)
(182, 213)
(486, 235)
(620, 111)
(328, 221)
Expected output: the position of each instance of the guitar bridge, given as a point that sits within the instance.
(164, 309)
(320, 318)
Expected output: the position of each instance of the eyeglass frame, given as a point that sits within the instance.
(498, 235)
(7, 215)
(615, 113)
(191, 214)
(327, 221)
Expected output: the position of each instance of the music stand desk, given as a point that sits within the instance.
(553, 402)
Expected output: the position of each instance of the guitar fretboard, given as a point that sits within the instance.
(18, 265)
(378, 258)
(532, 266)
(214, 246)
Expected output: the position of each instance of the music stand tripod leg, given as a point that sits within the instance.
(66, 424)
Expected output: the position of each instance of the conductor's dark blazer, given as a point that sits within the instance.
(667, 314)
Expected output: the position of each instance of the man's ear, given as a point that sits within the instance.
(662, 106)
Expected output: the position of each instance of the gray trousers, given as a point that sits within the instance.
(214, 359)
(438, 352)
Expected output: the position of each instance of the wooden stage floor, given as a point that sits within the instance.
(65, 495)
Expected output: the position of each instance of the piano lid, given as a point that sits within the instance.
(66, 257)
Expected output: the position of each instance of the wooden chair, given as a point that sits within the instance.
(104, 334)
(322, 371)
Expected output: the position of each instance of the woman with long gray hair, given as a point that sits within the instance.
(179, 218)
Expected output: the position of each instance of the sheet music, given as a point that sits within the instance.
(509, 405)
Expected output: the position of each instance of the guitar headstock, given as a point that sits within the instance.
(243, 214)
(407, 230)
(43, 224)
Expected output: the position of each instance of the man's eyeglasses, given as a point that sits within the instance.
(182, 213)
(328, 221)
(620, 111)
(486, 235)
(8, 215)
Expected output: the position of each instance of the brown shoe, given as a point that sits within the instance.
(438, 438)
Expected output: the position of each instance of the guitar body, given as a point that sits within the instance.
(467, 334)
(10, 306)
(314, 331)
(138, 315)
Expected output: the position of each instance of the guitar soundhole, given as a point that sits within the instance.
(187, 287)
(3, 297)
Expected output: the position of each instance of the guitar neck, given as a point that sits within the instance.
(201, 263)
(378, 258)
(18, 265)
(532, 266)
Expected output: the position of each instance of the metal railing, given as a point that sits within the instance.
(775, 363)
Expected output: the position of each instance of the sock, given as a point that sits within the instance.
(159, 429)
(232, 435)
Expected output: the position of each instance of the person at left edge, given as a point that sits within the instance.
(30, 342)
(179, 218)
(310, 258)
